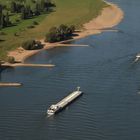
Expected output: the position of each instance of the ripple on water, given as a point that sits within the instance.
(109, 107)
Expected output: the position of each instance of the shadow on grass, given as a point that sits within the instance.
(2, 40)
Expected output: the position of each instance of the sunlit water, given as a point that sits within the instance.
(110, 106)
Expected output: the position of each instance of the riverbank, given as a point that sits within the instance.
(12, 37)
(109, 17)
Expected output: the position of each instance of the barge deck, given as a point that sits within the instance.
(64, 102)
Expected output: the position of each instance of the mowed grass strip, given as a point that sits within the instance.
(76, 12)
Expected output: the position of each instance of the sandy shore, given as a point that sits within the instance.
(110, 16)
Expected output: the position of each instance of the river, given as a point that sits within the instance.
(106, 72)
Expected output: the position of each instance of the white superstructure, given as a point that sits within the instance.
(137, 57)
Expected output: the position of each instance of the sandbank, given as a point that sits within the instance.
(10, 84)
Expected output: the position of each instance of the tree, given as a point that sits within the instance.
(2, 20)
(29, 12)
(16, 7)
(31, 45)
(0, 63)
(52, 36)
(1, 17)
(28, 45)
(72, 29)
(23, 13)
(61, 33)
(48, 5)
(19, 6)
(42, 4)
(63, 30)
(37, 9)
(11, 59)
(7, 20)
(1, 9)
(13, 7)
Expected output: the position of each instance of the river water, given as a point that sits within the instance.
(110, 106)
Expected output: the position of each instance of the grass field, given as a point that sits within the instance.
(67, 12)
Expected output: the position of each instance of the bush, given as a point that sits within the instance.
(35, 23)
(17, 20)
(38, 45)
(0, 62)
(28, 45)
(72, 29)
(2, 33)
(31, 45)
(16, 34)
(10, 59)
(63, 32)
(30, 26)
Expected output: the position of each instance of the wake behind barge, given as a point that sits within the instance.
(64, 102)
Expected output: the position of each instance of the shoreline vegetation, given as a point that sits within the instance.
(66, 12)
(110, 16)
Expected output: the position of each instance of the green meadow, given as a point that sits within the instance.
(70, 12)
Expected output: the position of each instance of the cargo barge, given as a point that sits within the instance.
(64, 102)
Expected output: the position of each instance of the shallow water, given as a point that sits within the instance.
(109, 108)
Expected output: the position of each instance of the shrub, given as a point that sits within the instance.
(28, 45)
(30, 26)
(10, 59)
(16, 34)
(38, 45)
(0, 62)
(31, 45)
(63, 32)
(35, 23)
(2, 33)
(17, 20)
(72, 29)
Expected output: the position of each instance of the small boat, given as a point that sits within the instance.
(137, 57)
(64, 102)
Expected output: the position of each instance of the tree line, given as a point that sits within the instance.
(26, 11)
(4, 18)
